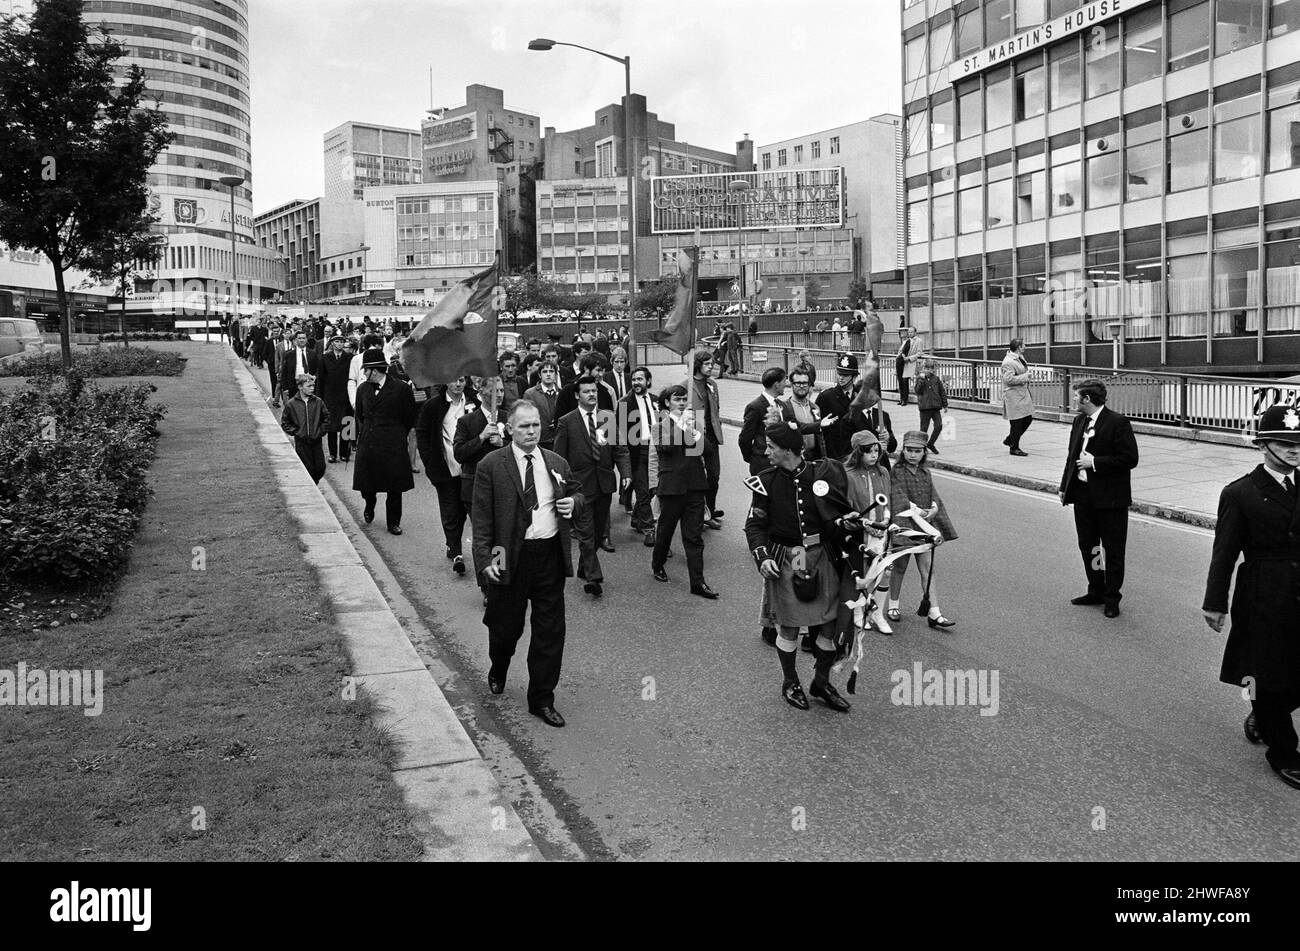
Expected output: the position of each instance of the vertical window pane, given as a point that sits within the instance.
(1189, 160)
(1237, 24)
(1030, 13)
(918, 222)
(1103, 179)
(1237, 148)
(1144, 52)
(1284, 136)
(917, 135)
(1031, 196)
(1189, 36)
(1282, 281)
(1030, 95)
(997, 21)
(940, 46)
(1064, 73)
(970, 35)
(999, 198)
(942, 213)
(970, 210)
(1144, 177)
(997, 99)
(1101, 57)
(969, 109)
(1283, 17)
(1067, 189)
(941, 125)
(914, 57)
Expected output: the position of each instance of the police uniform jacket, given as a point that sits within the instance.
(833, 401)
(786, 509)
(1259, 520)
(385, 416)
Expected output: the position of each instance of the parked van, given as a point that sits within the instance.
(18, 334)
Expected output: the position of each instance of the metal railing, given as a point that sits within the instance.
(1220, 404)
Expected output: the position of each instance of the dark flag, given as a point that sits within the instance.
(869, 376)
(459, 336)
(678, 333)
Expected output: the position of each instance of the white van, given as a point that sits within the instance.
(18, 335)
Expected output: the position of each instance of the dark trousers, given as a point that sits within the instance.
(1273, 710)
(713, 472)
(538, 579)
(1018, 427)
(688, 510)
(643, 519)
(1109, 527)
(452, 510)
(929, 416)
(273, 373)
(585, 533)
(339, 447)
(904, 389)
(600, 506)
(312, 456)
(392, 505)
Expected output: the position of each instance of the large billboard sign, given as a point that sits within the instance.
(449, 131)
(810, 198)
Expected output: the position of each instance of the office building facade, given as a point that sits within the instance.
(293, 233)
(1078, 173)
(357, 156)
(582, 234)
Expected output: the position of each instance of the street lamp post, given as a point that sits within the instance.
(803, 264)
(232, 182)
(577, 267)
(542, 45)
(739, 187)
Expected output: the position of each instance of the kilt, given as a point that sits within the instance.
(787, 610)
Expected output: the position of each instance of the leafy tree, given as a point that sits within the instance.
(657, 297)
(812, 291)
(112, 258)
(77, 145)
(529, 291)
(859, 293)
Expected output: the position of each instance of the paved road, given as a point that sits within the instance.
(1126, 715)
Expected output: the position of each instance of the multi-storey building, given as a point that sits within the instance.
(293, 232)
(1116, 169)
(582, 234)
(357, 156)
(483, 140)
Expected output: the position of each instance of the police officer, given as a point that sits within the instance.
(850, 407)
(1259, 516)
(795, 537)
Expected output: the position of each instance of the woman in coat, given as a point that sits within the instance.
(385, 413)
(1017, 401)
(911, 485)
(306, 418)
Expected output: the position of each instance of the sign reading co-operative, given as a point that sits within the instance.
(809, 198)
(1090, 15)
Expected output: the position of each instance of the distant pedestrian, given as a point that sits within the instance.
(805, 363)
(807, 328)
(822, 328)
(1017, 401)
(931, 400)
(905, 364)
(1103, 453)
(1257, 514)
(385, 413)
(306, 419)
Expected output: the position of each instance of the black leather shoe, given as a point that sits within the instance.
(1111, 610)
(713, 523)
(718, 513)
(496, 684)
(394, 529)
(1088, 599)
(794, 694)
(769, 636)
(548, 715)
(649, 539)
(828, 695)
(458, 565)
(368, 515)
(704, 591)
(1290, 776)
(1018, 452)
(660, 574)
(1252, 731)
(593, 588)
(334, 458)
(607, 545)
(940, 621)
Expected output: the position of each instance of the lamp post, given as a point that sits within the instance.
(542, 45)
(232, 182)
(803, 264)
(739, 187)
(577, 267)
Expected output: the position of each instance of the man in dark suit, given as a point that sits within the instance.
(332, 386)
(300, 359)
(637, 410)
(599, 463)
(435, 436)
(551, 355)
(545, 395)
(1103, 451)
(593, 367)
(524, 499)
(683, 482)
(619, 376)
(705, 401)
(752, 441)
(478, 432)
(1259, 516)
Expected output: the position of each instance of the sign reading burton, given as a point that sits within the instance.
(1058, 28)
(811, 198)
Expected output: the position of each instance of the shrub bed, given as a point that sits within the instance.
(144, 335)
(101, 362)
(73, 466)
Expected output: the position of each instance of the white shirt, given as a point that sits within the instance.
(545, 519)
(455, 410)
(647, 417)
(1281, 477)
(1089, 431)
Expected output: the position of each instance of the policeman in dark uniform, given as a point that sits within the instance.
(853, 410)
(1259, 515)
(797, 542)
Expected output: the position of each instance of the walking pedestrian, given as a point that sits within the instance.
(1103, 453)
(638, 410)
(800, 409)
(752, 441)
(332, 385)
(524, 499)
(681, 488)
(545, 395)
(385, 413)
(869, 493)
(435, 435)
(705, 402)
(1017, 401)
(478, 432)
(931, 400)
(1257, 519)
(306, 418)
(911, 485)
(905, 365)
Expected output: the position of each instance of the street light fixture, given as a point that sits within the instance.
(803, 264)
(544, 45)
(232, 182)
(739, 187)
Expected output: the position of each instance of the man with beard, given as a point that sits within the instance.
(638, 409)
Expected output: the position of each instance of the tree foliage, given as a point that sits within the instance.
(859, 293)
(77, 144)
(112, 258)
(657, 297)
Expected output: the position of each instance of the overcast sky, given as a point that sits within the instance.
(716, 68)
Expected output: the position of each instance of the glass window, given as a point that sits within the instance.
(970, 36)
(1188, 164)
(970, 209)
(1283, 17)
(940, 46)
(817, 149)
(835, 145)
(997, 21)
(1237, 136)
(1067, 186)
(1031, 188)
(1101, 56)
(1144, 154)
(914, 57)
(941, 124)
(999, 190)
(1031, 96)
(918, 222)
(781, 157)
(1144, 52)
(1103, 160)
(1283, 124)
(941, 212)
(917, 135)
(1237, 24)
(1058, 8)
(798, 153)
(1064, 73)
(1189, 33)
(1188, 284)
(1030, 13)
(997, 98)
(969, 109)
(767, 161)
(1282, 276)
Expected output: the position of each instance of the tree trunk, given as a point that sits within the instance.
(65, 313)
(121, 314)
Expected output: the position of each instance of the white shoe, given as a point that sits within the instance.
(878, 621)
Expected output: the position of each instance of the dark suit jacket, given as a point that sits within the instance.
(565, 378)
(630, 427)
(805, 429)
(597, 468)
(753, 439)
(546, 409)
(681, 460)
(610, 375)
(428, 435)
(568, 400)
(1115, 455)
(468, 447)
(499, 517)
(289, 368)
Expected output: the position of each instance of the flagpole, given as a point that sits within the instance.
(630, 151)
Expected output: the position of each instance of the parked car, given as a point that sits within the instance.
(508, 340)
(18, 334)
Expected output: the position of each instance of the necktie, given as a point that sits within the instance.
(1289, 484)
(530, 486)
(591, 432)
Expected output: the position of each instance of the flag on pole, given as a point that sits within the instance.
(678, 333)
(869, 377)
(459, 336)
